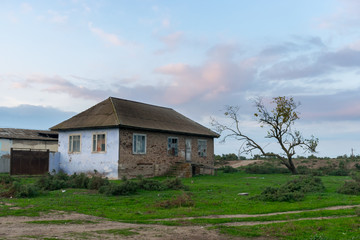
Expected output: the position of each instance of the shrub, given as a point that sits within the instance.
(78, 181)
(96, 182)
(130, 187)
(183, 200)
(6, 179)
(125, 188)
(264, 168)
(351, 187)
(175, 184)
(229, 169)
(61, 180)
(151, 185)
(52, 182)
(25, 191)
(280, 195)
(293, 190)
(357, 166)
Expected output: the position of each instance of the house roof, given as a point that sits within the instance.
(115, 112)
(27, 134)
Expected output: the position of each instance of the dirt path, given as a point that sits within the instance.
(18, 228)
(91, 227)
(262, 215)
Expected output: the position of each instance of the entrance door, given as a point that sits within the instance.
(188, 150)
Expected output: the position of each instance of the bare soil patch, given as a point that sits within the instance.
(18, 228)
(265, 214)
(13, 227)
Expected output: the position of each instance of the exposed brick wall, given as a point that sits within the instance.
(156, 161)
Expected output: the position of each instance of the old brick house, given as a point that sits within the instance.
(126, 138)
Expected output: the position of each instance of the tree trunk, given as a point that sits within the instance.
(292, 167)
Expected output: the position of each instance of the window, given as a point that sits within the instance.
(172, 148)
(74, 143)
(99, 142)
(202, 146)
(139, 144)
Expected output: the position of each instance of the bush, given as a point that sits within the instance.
(293, 190)
(264, 168)
(6, 179)
(281, 195)
(52, 182)
(78, 181)
(151, 185)
(183, 200)
(130, 187)
(61, 180)
(26, 191)
(229, 169)
(351, 187)
(96, 182)
(125, 188)
(175, 184)
(304, 170)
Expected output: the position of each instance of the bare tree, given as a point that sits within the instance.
(278, 121)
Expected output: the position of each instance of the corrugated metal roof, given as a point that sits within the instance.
(28, 134)
(115, 112)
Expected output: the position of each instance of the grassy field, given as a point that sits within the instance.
(210, 195)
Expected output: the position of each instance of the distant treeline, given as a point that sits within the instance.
(234, 157)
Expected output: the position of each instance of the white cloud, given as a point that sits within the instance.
(57, 17)
(26, 7)
(111, 38)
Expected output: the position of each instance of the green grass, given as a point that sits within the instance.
(340, 228)
(213, 195)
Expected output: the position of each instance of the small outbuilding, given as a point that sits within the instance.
(119, 138)
(24, 139)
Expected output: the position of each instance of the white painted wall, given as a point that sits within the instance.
(54, 161)
(5, 145)
(86, 161)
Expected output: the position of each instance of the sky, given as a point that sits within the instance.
(60, 57)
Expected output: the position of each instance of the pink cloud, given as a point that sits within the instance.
(188, 82)
(171, 42)
(58, 84)
(218, 75)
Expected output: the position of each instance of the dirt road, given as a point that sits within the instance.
(61, 225)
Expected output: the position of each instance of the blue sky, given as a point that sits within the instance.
(60, 57)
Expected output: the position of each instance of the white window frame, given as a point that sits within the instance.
(136, 151)
(202, 148)
(96, 141)
(71, 143)
(169, 147)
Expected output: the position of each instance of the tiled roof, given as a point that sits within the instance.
(28, 134)
(115, 112)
